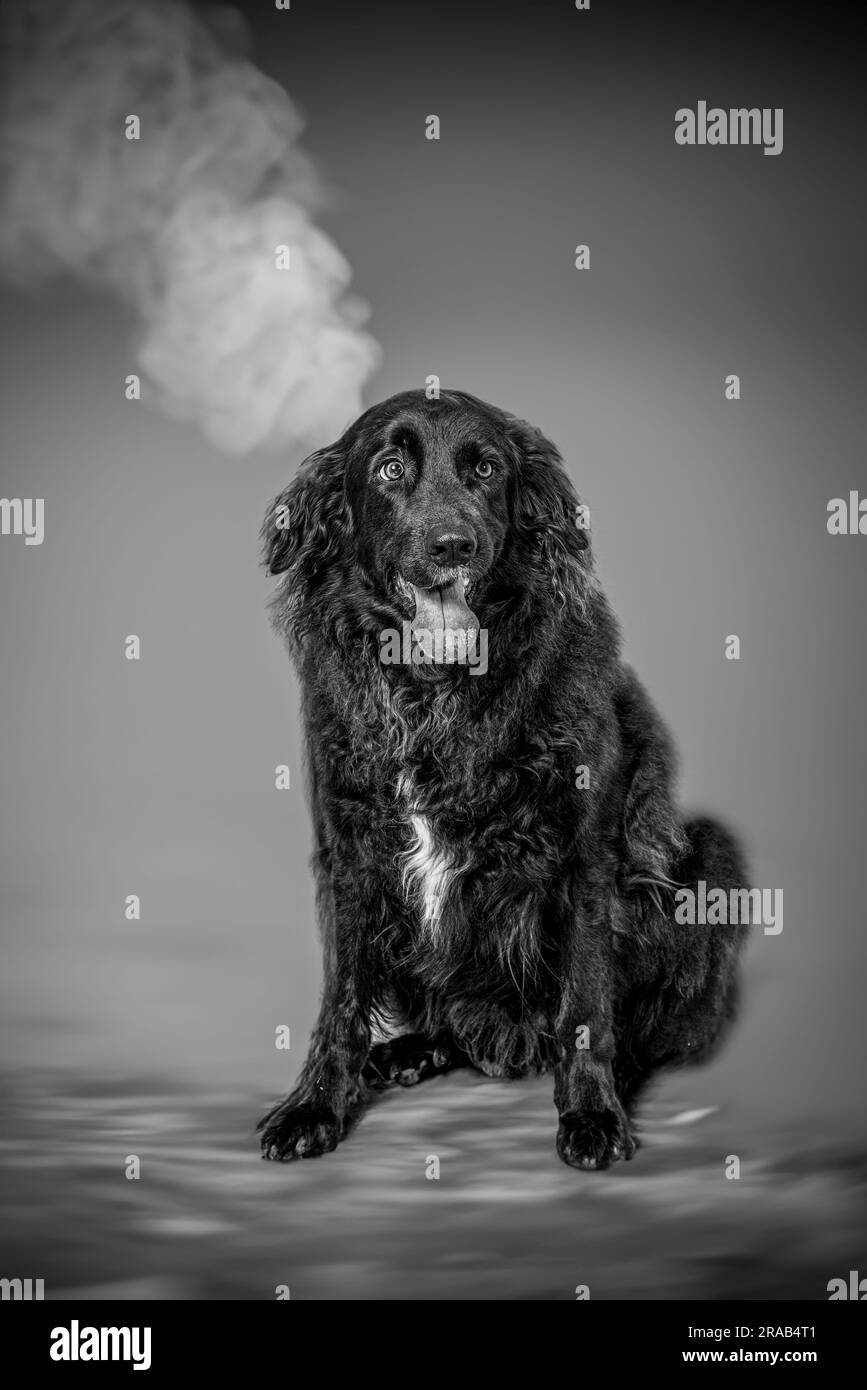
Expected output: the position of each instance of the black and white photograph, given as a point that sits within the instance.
(433, 567)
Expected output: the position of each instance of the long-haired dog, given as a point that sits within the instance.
(497, 844)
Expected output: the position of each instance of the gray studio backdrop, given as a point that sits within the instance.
(709, 518)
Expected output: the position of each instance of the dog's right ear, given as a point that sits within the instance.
(307, 525)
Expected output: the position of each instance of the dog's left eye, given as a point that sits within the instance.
(391, 470)
(484, 469)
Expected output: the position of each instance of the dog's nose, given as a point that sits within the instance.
(450, 545)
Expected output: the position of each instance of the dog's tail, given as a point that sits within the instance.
(714, 855)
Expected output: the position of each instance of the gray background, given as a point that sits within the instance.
(709, 518)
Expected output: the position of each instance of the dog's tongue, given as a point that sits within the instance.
(439, 610)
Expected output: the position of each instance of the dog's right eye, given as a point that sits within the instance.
(391, 470)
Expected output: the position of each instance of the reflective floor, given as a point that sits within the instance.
(505, 1219)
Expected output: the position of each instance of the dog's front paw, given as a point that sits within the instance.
(595, 1138)
(299, 1131)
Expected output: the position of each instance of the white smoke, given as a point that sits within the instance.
(183, 223)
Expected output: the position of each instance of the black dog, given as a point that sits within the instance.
(515, 912)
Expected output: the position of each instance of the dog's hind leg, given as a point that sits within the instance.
(681, 1017)
(412, 1058)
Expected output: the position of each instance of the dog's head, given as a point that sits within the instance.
(447, 512)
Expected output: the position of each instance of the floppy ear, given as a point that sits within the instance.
(306, 528)
(548, 516)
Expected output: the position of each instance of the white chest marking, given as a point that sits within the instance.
(427, 866)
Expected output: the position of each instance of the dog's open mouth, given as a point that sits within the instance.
(443, 608)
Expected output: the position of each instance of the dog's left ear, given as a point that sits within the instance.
(548, 516)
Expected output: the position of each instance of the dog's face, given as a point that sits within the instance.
(431, 506)
(429, 491)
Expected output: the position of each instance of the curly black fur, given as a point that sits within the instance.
(556, 913)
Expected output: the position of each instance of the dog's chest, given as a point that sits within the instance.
(429, 865)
